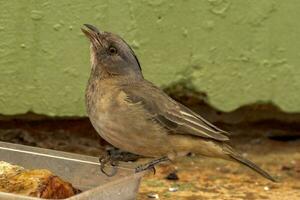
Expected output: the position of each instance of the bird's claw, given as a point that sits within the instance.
(153, 169)
(104, 161)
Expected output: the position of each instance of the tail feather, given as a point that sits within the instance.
(235, 156)
(253, 166)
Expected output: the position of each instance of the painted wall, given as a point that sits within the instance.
(237, 52)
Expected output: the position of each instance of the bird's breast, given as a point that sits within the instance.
(125, 125)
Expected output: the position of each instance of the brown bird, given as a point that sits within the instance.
(134, 115)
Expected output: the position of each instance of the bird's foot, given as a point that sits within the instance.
(112, 158)
(108, 159)
(150, 165)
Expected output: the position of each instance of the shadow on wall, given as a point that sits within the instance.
(267, 119)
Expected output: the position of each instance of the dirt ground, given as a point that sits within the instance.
(202, 178)
(199, 178)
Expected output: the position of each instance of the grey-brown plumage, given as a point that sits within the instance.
(134, 115)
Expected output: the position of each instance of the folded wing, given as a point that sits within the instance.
(174, 116)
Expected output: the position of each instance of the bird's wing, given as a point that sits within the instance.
(171, 114)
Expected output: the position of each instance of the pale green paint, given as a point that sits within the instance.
(238, 52)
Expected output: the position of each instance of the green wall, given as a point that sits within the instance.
(236, 51)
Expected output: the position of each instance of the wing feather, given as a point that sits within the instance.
(170, 114)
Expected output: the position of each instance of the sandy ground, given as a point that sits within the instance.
(202, 178)
(199, 178)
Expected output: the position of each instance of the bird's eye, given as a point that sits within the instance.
(112, 50)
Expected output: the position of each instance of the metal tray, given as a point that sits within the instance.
(82, 171)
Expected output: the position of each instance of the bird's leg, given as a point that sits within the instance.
(151, 164)
(112, 157)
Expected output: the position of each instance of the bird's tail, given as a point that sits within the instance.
(237, 157)
(214, 149)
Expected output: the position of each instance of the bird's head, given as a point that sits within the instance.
(110, 54)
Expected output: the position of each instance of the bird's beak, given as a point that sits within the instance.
(92, 33)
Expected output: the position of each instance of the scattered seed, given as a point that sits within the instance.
(173, 189)
(266, 188)
(153, 195)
